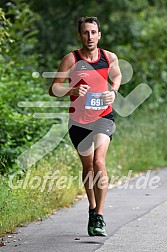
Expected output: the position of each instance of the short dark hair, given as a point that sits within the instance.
(86, 19)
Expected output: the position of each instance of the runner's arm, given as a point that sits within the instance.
(57, 89)
(114, 72)
(115, 77)
(62, 74)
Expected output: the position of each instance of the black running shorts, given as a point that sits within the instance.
(79, 132)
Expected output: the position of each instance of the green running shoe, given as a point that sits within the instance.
(91, 224)
(99, 229)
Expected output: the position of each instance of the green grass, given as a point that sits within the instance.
(138, 144)
(26, 203)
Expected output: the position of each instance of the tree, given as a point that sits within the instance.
(19, 59)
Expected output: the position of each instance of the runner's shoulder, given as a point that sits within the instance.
(68, 60)
(111, 56)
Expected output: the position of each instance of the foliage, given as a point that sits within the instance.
(145, 48)
(138, 142)
(16, 205)
(4, 35)
(18, 129)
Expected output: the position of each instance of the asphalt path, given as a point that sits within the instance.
(135, 213)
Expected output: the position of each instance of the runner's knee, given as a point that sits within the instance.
(99, 164)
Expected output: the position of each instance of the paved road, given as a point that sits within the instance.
(136, 222)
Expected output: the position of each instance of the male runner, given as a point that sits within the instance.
(91, 122)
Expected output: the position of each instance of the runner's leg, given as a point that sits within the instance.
(87, 177)
(101, 186)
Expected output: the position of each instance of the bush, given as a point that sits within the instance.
(18, 129)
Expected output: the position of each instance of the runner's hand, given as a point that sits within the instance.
(81, 90)
(108, 97)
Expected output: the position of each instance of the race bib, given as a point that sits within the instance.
(95, 101)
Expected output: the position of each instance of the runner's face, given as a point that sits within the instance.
(89, 35)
